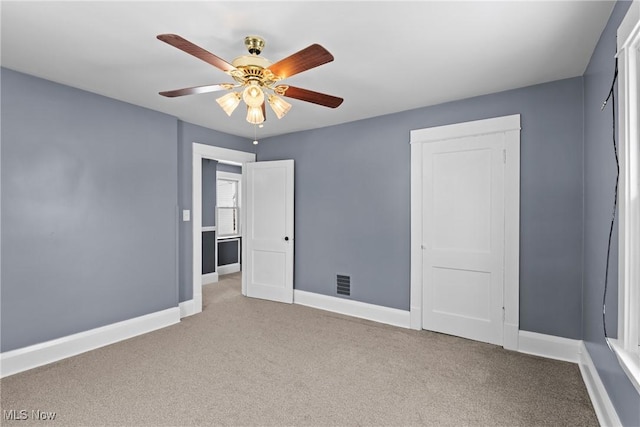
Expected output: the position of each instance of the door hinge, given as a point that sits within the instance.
(504, 156)
(504, 316)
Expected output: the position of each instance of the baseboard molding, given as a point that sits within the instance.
(187, 308)
(210, 278)
(228, 269)
(549, 346)
(605, 411)
(22, 359)
(377, 313)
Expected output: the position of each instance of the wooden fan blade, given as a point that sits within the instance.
(195, 90)
(190, 48)
(310, 57)
(314, 97)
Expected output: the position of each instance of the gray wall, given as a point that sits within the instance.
(229, 251)
(599, 182)
(187, 134)
(223, 167)
(89, 211)
(209, 187)
(352, 201)
(208, 252)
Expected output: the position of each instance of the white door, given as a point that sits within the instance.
(463, 237)
(269, 230)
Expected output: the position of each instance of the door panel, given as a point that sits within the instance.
(463, 237)
(269, 266)
(461, 293)
(462, 200)
(269, 201)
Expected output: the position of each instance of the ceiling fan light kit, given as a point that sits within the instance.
(279, 106)
(255, 115)
(257, 77)
(229, 102)
(253, 96)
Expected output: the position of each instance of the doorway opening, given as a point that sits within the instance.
(221, 219)
(204, 214)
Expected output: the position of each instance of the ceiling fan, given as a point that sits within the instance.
(257, 77)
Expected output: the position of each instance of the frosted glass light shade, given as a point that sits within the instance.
(253, 95)
(254, 115)
(229, 102)
(279, 106)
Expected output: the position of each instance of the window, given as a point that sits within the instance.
(626, 345)
(228, 204)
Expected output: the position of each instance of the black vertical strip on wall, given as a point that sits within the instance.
(208, 252)
(343, 285)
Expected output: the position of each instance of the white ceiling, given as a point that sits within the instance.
(389, 56)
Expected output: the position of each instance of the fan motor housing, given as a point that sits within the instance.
(251, 61)
(252, 67)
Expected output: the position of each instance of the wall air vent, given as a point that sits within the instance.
(344, 285)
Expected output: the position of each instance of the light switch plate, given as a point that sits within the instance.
(186, 215)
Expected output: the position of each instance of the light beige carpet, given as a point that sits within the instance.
(247, 362)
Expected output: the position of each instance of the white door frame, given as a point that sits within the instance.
(510, 126)
(199, 152)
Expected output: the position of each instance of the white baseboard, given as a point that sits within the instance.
(210, 278)
(605, 411)
(187, 308)
(228, 269)
(30, 357)
(377, 313)
(549, 346)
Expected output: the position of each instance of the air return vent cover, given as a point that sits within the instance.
(344, 285)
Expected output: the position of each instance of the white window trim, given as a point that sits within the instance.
(626, 345)
(230, 176)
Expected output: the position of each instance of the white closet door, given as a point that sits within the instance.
(463, 237)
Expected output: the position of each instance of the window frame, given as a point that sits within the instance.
(229, 176)
(628, 53)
